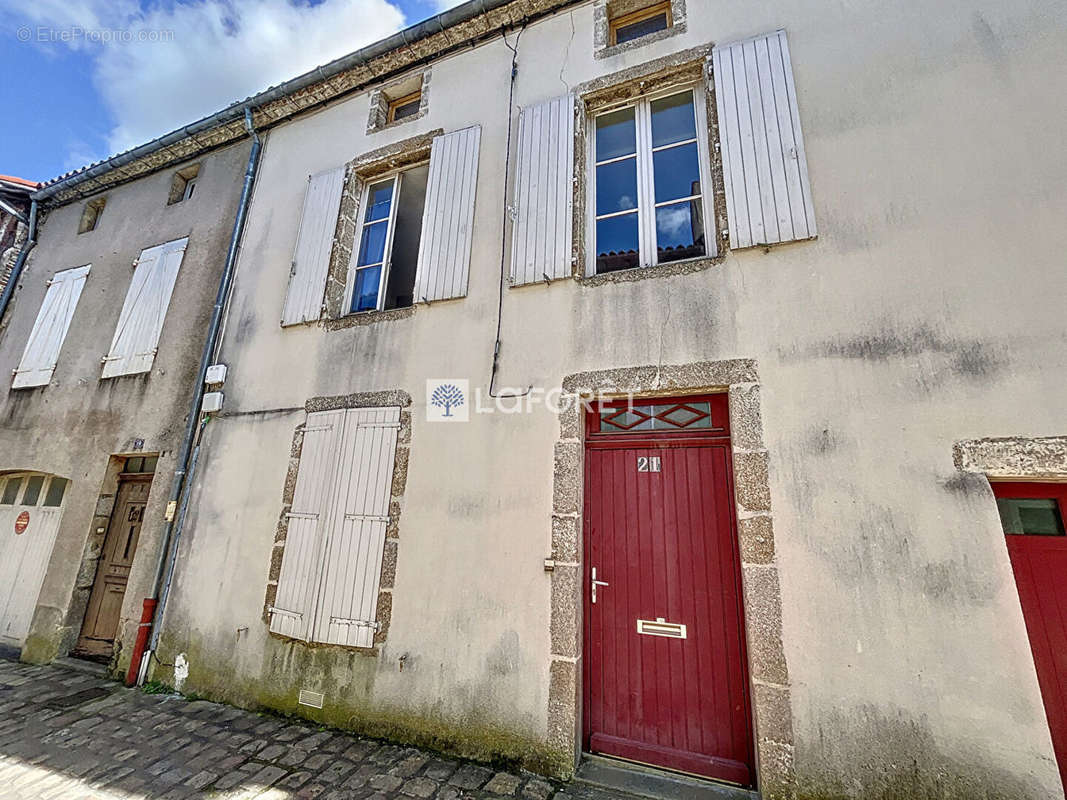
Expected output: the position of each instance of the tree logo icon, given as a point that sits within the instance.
(447, 396)
(446, 400)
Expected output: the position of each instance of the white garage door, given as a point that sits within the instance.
(30, 507)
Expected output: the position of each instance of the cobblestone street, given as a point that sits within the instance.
(67, 734)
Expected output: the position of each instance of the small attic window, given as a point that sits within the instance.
(403, 101)
(644, 21)
(183, 185)
(91, 214)
(404, 107)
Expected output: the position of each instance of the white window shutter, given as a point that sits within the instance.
(50, 328)
(309, 518)
(133, 348)
(348, 596)
(448, 216)
(544, 192)
(765, 172)
(314, 243)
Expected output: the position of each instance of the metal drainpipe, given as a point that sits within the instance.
(27, 246)
(152, 610)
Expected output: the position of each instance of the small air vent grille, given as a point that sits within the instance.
(309, 698)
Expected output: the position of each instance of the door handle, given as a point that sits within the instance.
(597, 583)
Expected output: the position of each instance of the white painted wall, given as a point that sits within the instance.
(930, 309)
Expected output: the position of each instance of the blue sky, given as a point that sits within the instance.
(87, 78)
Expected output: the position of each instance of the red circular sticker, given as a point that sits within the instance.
(22, 522)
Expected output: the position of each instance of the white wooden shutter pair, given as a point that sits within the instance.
(133, 348)
(765, 172)
(447, 226)
(331, 567)
(543, 201)
(50, 328)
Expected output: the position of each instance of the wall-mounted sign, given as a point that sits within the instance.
(22, 522)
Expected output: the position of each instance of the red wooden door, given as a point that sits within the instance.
(1032, 515)
(665, 678)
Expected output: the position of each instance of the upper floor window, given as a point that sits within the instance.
(627, 27)
(383, 272)
(91, 214)
(183, 185)
(404, 107)
(650, 173)
(405, 100)
(133, 347)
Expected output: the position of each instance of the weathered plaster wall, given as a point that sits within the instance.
(74, 424)
(927, 312)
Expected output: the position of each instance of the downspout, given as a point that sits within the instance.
(20, 261)
(152, 609)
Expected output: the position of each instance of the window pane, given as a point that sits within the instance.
(33, 490)
(400, 282)
(55, 492)
(635, 30)
(379, 198)
(672, 119)
(616, 243)
(150, 463)
(372, 244)
(676, 172)
(135, 464)
(407, 110)
(679, 231)
(365, 296)
(616, 134)
(1030, 517)
(616, 186)
(11, 491)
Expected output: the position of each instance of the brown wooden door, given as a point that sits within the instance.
(665, 669)
(113, 570)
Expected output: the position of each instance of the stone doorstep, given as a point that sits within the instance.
(638, 780)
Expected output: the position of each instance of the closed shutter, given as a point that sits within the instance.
(765, 172)
(348, 596)
(50, 328)
(448, 216)
(133, 348)
(314, 243)
(544, 192)
(308, 521)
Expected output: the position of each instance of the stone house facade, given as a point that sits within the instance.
(637, 378)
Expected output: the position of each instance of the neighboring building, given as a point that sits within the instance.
(100, 347)
(14, 220)
(809, 262)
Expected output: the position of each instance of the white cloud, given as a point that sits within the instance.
(200, 56)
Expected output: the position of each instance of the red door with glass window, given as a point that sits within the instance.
(1032, 515)
(665, 680)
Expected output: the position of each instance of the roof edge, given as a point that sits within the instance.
(64, 188)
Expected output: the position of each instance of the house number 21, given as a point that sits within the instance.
(648, 464)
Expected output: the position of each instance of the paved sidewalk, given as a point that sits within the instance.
(65, 734)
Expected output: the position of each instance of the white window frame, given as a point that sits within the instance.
(397, 176)
(646, 205)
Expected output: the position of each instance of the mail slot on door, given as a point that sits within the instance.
(660, 627)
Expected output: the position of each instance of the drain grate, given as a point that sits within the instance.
(76, 699)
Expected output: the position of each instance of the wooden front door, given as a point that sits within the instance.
(1033, 518)
(666, 679)
(113, 570)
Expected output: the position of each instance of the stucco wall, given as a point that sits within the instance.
(928, 311)
(74, 424)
